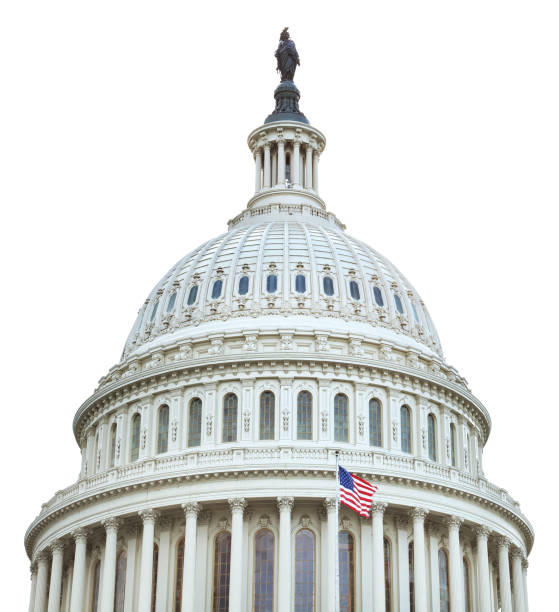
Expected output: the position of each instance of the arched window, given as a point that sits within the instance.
(412, 577)
(263, 571)
(415, 315)
(163, 429)
(328, 285)
(443, 581)
(300, 283)
(304, 415)
(135, 438)
(222, 572)
(405, 429)
(375, 423)
(354, 290)
(288, 167)
(346, 563)
(453, 444)
(243, 285)
(304, 571)
(113, 444)
(195, 422)
(154, 576)
(230, 418)
(154, 310)
(398, 303)
(179, 566)
(341, 418)
(432, 437)
(271, 283)
(267, 415)
(96, 583)
(388, 574)
(192, 295)
(120, 582)
(378, 296)
(171, 302)
(467, 600)
(216, 289)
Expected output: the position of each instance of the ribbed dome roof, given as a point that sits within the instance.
(251, 272)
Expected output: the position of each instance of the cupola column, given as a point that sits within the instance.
(33, 569)
(308, 167)
(111, 526)
(285, 505)
(281, 162)
(482, 534)
(295, 163)
(525, 583)
(191, 511)
(330, 504)
(267, 167)
(419, 574)
(456, 572)
(379, 600)
(504, 574)
(315, 159)
(146, 568)
(78, 576)
(237, 506)
(517, 581)
(258, 170)
(56, 576)
(42, 576)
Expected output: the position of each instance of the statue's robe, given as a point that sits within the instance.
(288, 59)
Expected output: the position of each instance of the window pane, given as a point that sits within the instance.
(243, 285)
(154, 310)
(230, 418)
(341, 420)
(304, 571)
(443, 581)
(375, 423)
(120, 582)
(192, 295)
(222, 572)
(431, 440)
(328, 285)
(300, 283)
(347, 572)
(163, 430)
(195, 422)
(405, 425)
(304, 416)
(178, 576)
(135, 438)
(354, 290)
(267, 410)
(271, 283)
(378, 296)
(388, 574)
(96, 582)
(171, 302)
(414, 310)
(264, 571)
(216, 289)
(398, 303)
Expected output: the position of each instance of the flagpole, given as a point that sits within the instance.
(337, 543)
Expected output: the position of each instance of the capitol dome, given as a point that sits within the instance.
(209, 452)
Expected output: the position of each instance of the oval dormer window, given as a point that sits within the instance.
(171, 302)
(328, 285)
(154, 310)
(243, 285)
(271, 283)
(378, 296)
(398, 303)
(354, 290)
(300, 283)
(216, 289)
(192, 295)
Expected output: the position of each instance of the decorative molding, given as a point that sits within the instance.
(378, 508)
(191, 509)
(111, 524)
(149, 515)
(454, 522)
(330, 504)
(237, 504)
(418, 514)
(482, 532)
(285, 503)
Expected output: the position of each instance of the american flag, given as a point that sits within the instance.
(356, 493)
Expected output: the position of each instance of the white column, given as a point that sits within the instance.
(295, 163)
(55, 588)
(308, 167)
(525, 583)
(456, 570)
(403, 565)
(366, 565)
(315, 171)
(323, 514)
(281, 162)
(42, 576)
(495, 598)
(419, 574)
(503, 545)
(78, 575)
(434, 568)
(482, 534)
(163, 561)
(237, 506)
(257, 170)
(517, 581)
(191, 510)
(204, 519)
(33, 570)
(330, 505)
(131, 545)
(267, 167)
(146, 564)
(379, 600)
(68, 590)
(111, 526)
(285, 505)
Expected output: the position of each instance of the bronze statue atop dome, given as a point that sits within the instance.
(287, 57)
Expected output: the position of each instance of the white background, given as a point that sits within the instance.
(123, 146)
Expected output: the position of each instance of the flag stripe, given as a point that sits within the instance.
(356, 493)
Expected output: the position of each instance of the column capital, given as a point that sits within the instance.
(454, 522)
(503, 542)
(482, 532)
(33, 568)
(57, 546)
(516, 553)
(237, 504)
(42, 556)
(285, 503)
(191, 509)
(330, 504)
(80, 534)
(111, 524)
(525, 564)
(418, 513)
(149, 515)
(378, 508)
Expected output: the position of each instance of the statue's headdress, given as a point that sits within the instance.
(284, 34)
